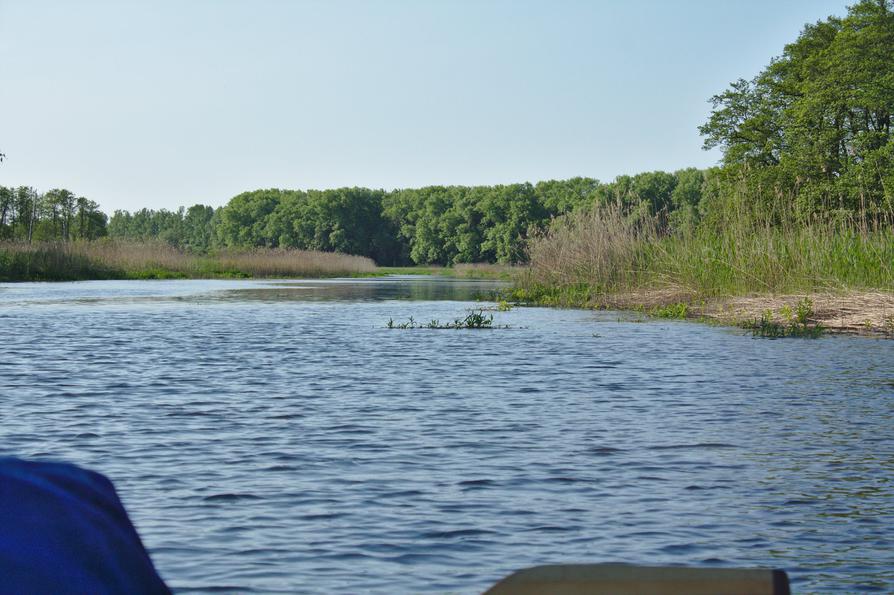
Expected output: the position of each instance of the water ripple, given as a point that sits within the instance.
(277, 438)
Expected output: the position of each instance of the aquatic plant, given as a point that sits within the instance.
(795, 323)
(475, 320)
(675, 311)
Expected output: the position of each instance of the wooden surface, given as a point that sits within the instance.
(623, 579)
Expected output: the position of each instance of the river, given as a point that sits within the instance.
(277, 437)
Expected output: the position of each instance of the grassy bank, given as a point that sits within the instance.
(498, 272)
(601, 259)
(121, 260)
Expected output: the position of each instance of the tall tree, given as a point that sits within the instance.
(813, 129)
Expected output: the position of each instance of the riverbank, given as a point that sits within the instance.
(837, 277)
(856, 312)
(81, 261)
(864, 312)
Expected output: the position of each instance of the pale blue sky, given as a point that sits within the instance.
(169, 103)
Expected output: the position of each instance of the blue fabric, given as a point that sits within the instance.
(64, 530)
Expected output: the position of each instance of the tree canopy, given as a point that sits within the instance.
(814, 127)
(56, 215)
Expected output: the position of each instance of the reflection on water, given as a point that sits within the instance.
(402, 288)
(410, 287)
(276, 437)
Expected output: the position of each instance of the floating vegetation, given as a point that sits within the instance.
(477, 319)
(794, 323)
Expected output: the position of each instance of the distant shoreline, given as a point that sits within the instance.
(849, 311)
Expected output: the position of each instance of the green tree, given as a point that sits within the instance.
(243, 221)
(811, 133)
(507, 214)
(562, 196)
(89, 222)
(197, 228)
(7, 212)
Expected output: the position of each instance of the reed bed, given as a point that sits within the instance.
(131, 259)
(598, 247)
(288, 263)
(593, 254)
(125, 260)
(48, 262)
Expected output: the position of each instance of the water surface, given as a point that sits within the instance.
(276, 437)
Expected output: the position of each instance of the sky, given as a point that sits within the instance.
(168, 103)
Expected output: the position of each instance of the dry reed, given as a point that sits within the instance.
(610, 254)
(113, 259)
(596, 246)
(285, 263)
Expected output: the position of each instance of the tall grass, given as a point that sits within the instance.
(49, 262)
(599, 247)
(483, 270)
(602, 252)
(291, 263)
(810, 258)
(124, 260)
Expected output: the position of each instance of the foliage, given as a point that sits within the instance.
(533, 291)
(678, 311)
(190, 229)
(589, 254)
(797, 324)
(57, 215)
(812, 132)
(434, 225)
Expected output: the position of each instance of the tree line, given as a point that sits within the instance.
(57, 215)
(432, 225)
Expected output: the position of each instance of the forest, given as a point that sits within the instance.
(442, 225)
